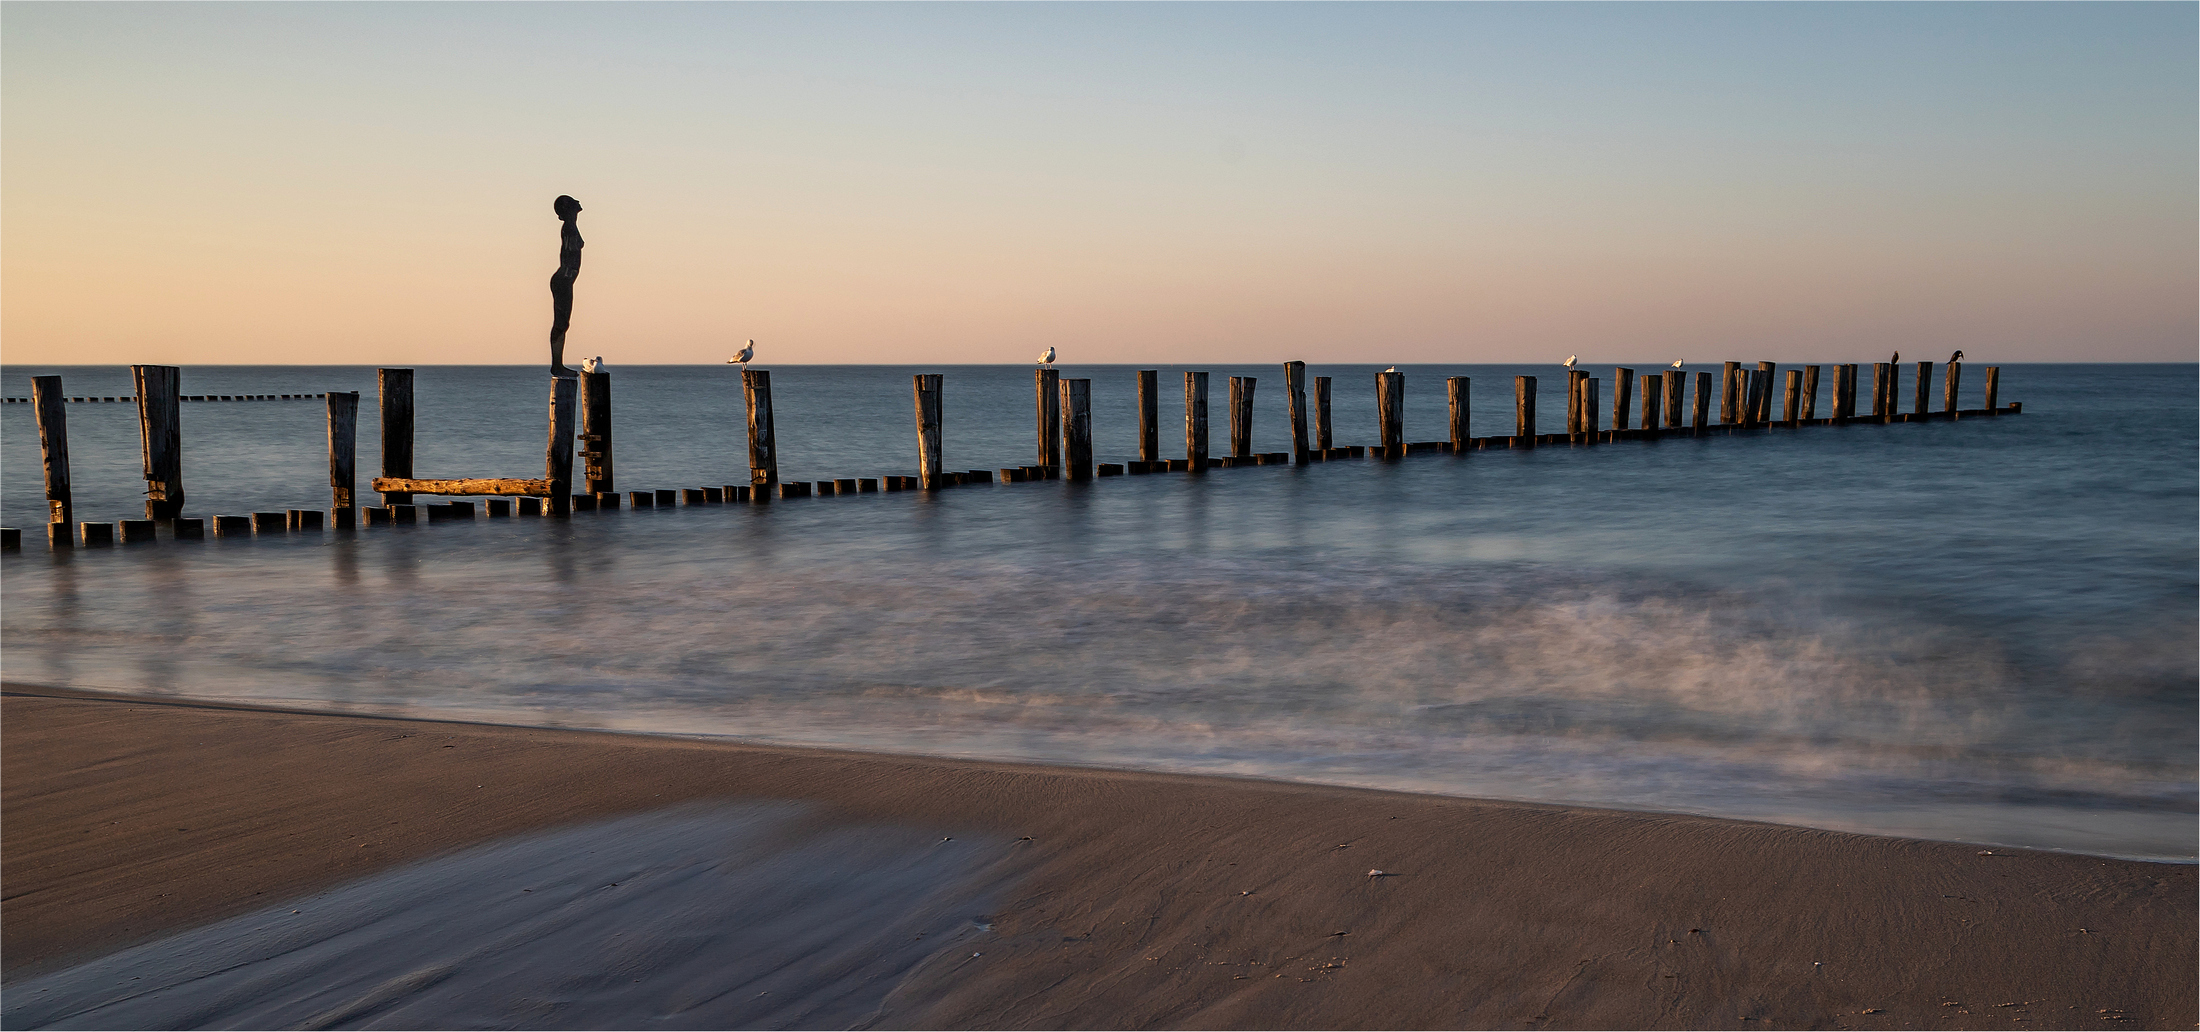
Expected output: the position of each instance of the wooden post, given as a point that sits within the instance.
(1077, 428)
(1524, 410)
(1573, 400)
(1321, 414)
(1757, 400)
(927, 388)
(1589, 417)
(343, 453)
(1623, 397)
(1924, 389)
(1844, 392)
(1993, 388)
(596, 470)
(1810, 392)
(1676, 392)
(1294, 384)
(1948, 388)
(1457, 390)
(558, 457)
(1700, 416)
(1653, 397)
(1048, 383)
(1390, 409)
(395, 386)
(160, 436)
(1195, 421)
(1794, 399)
(47, 404)
(1880, 391)
(1149, 415)
(1241, 416)
(756, 389)
(1730, 390)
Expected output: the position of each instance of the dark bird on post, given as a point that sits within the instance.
(1896, 360)
(1957, 357)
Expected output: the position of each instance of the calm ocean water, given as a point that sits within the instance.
(1981, 631)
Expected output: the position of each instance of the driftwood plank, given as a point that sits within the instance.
(465, 486)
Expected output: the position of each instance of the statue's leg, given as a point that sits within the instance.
(561, 302)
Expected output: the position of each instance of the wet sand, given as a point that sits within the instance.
(1117, 899)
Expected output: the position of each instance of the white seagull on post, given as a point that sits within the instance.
(743, 356)
(1047, 359)
(1570, 360)
(1676, 363)
(590, 365)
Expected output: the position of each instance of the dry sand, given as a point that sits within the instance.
(1128, 900)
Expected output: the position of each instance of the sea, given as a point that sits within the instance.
(1980, 631)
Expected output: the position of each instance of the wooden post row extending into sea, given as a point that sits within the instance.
(580, 409)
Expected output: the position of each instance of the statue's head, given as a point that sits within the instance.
(566, 207)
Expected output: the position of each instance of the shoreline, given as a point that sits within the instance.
(1146, 897)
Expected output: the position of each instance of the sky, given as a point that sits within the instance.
(343, 183)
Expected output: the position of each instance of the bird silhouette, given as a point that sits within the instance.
(743, 356)
(1676, 363)
(1570, 360)
(1957, 357)
(1896, 360)
(1047, 359)
(1392, 369)
(592, 365)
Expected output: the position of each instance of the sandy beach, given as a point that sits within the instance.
(1117, 899)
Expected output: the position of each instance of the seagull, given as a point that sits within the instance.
(743, 356)
(1676, 363)
(1896, 360)
(1047, 359)
(1570, 360)
(1392, 369)
(1957, 357)
(590, 365)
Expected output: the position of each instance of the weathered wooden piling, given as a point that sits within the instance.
(97, 535)
(1623, 397)
(1810, 392)
(756, 389)
(1755, 394)
(1149, 415)
(1844, 392)
(343, 455)
(1390, 411)
(1573, 400)
(558, 456)
(1241, 416)
(1195, 421)
(1653, 397)
(1950, 384)
(49, 407)
(1879, 390)
(187, 528)
(1077, 428)
(1676, 394)
(1763, 412)
(1792, 398)
(1730, 393)
(1457, 393)
(1321, 414)
(1523, 412)
(143, 532)
(309, 520)
(395, 389)
(1993, 389)
(1294, 387)
(1048, 384)
(1922, 404)
(1700, 415)
(1589, 418)
(160, 437)
(925, 388)
(596, 469)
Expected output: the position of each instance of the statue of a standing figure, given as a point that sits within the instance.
(561, 281)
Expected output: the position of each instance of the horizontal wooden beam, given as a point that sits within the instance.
(477, 486)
